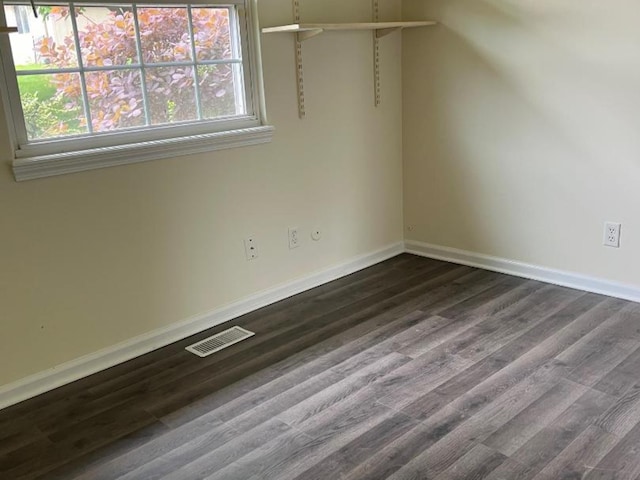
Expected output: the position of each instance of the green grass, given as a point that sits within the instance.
(28, 66)
(35, 84)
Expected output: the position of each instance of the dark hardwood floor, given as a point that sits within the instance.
(411, 369)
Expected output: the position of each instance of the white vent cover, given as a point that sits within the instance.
(219, 341)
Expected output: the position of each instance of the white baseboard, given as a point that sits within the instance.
(519, 269)
(82, 367)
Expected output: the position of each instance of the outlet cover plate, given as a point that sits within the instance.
(612, 234)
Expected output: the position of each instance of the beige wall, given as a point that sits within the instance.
(522, 130)
(93, 259)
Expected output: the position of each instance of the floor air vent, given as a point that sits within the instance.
(219, 341)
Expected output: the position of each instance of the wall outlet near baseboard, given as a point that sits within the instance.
(612, 234)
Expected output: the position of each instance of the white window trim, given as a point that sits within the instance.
(30, 163)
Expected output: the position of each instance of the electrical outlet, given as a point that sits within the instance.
(612, 234)
(294, 239)
(251, 248)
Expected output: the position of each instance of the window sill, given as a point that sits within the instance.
(62, 163)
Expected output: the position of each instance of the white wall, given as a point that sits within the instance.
(522, 131)
(93, 259)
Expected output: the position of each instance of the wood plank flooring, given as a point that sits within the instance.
(411, 369)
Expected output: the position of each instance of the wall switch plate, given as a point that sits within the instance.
(612, 234)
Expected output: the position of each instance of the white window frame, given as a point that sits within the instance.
(44, 158)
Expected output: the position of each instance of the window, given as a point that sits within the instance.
(92, 85)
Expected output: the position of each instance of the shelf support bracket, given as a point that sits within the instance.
(383, 32)
(375, 7)
(307, 34)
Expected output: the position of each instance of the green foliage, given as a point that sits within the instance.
(48, 117)
(44, 12)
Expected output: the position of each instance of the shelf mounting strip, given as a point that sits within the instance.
(376, 54)
(302, 36)
(299, 70)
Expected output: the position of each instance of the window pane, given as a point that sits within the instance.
(43, 42)
(171, 94)
(217, 93)
(211, 33)
(52, 105)
(107, 36)
(115, 99)
(164, 34)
